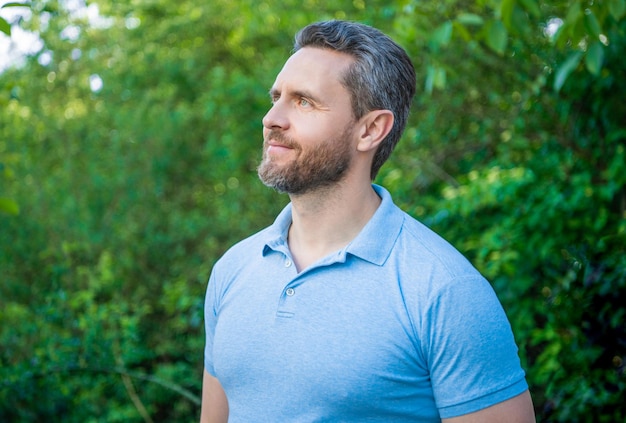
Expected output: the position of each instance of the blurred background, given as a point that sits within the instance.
(129, 137)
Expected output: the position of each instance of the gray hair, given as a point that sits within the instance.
(381, 78)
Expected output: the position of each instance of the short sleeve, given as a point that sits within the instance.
(470, 347)
(210, 320)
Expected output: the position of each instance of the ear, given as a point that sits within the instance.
(375, 126)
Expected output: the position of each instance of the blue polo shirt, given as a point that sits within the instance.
(397, 326)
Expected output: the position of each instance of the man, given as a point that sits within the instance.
(346, 309)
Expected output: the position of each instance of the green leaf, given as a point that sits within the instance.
(568, 29)
(566, 69)
(595, 58)
(617, 8)
(506, 11)
(469, 19)
(531, 7)
(462, 31)
(440, 78)
(435, 78)
(15, 4)
(573, 14)
(592, 24)
(497, 36)
(441, 36)
(5, 27)
(9, 206)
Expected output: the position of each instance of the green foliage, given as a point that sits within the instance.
(131, 150)
(5, 26)
(532, 182)
(7, 205)
(129, 191)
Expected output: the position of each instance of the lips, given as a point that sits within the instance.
(276, 150)
(274, 144)
(276, 140)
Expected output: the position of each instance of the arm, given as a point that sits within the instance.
(518, 409)
(214, 401)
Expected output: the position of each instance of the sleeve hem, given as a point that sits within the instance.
(484, 401)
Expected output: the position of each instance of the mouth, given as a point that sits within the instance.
(277, 148)
(276, 144)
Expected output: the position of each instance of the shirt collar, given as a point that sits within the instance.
(374, 243)
(277, 233)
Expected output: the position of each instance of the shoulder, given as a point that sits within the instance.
(441, 277)
(244, 251)
(431, 251)
(236, 267)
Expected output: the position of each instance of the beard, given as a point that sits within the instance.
(316, 167)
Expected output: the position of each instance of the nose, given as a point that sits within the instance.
(276, 117)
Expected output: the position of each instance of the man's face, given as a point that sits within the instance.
(308, 132)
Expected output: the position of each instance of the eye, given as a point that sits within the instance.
(303, 102)
(274, 95)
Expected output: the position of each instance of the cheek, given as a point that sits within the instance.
(316, 130)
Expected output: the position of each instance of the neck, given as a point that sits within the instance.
(328, 219)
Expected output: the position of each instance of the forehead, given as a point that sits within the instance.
(315, 69)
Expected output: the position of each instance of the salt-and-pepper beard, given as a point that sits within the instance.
(314, 167)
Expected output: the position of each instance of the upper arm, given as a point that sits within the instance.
(214, 401)
(518, 409)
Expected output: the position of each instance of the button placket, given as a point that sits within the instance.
(286, 302)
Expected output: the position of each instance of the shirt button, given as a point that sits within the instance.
(290, 292)
(287, 263)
